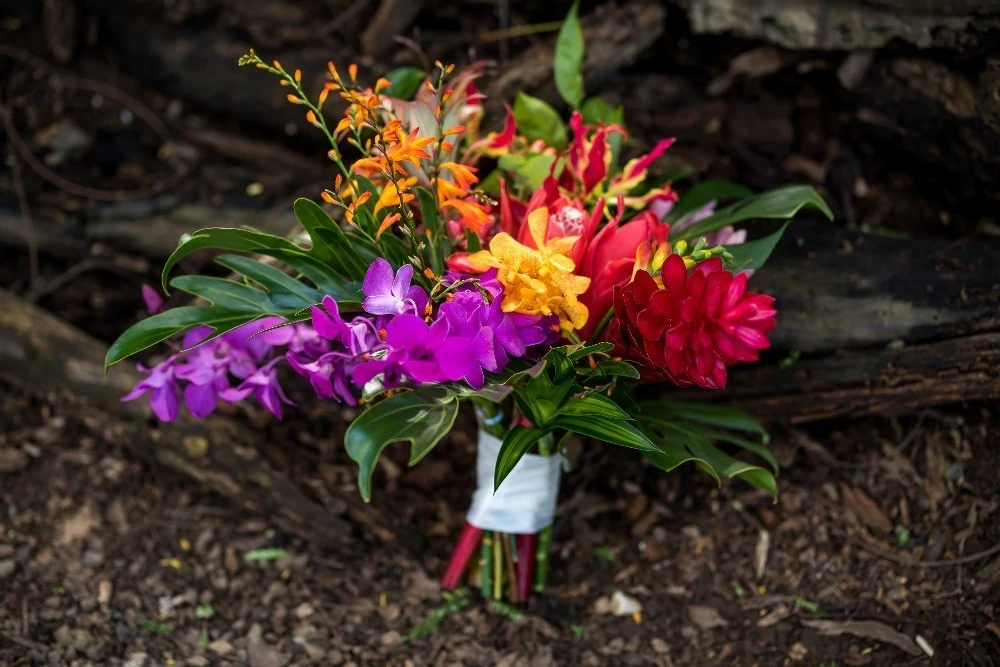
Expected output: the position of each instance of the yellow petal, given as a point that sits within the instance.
(482, 260)
(538, 224)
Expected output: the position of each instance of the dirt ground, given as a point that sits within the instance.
(106, 562)
(883, 548)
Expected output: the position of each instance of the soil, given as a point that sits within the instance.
(877, 537)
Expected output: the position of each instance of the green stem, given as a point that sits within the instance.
(600, 326)
(542, 558)
(497, 567)
(486, 565)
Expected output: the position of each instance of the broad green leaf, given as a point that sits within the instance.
(707, 413)
(285, 292)
(515, 444)
(405, 82)
(594, 406)
(782, 203)
(754, 254)
(745, 443)
(597, 110)
(703, 193)
(615, 431)
(534, 170)
(568, 61)
(681, 443)
(404, 417)
(329, 239)
(537, 120)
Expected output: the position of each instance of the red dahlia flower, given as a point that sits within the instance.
(692, 328)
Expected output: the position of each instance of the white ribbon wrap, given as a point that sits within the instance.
(526, 500)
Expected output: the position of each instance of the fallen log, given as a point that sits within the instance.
(41, 353)
(841, 289)
(888, 381)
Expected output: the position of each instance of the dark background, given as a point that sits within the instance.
(126, 124)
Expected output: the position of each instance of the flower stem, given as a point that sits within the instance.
(512, 586)
(542, 558)
(497, 566)
(467, 543)
(486, 565)
(600, 326)
(527, 550)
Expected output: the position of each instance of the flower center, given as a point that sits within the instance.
(569, 219)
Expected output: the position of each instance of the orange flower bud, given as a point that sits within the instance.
(327, 197)
(388, 222)
(298, 76)
(322, 96)
(333, 70)
(382, 84)
(447, 146)
(365, 196)
(277, 65)
(293, 99)
(352, 70)
(457, 129)
(311, 117)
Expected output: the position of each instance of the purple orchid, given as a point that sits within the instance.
(154, 302)
(388, 294)
(263, 384)
(161, 385)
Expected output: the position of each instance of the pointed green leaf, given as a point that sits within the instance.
(754, 254)
(615, 431)
(406, 416)
(594, 406)
(712, 414)
(225, 238)
(703, 193)
(537, 120)
(405, 82)
(781, 203)
(515, 444)
(330, 243)
(568, 61)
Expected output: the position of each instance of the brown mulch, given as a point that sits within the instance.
(106, 562)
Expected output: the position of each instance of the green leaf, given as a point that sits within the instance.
(615, 431)
(707, 413)
(568, 61)
(609, 368)
(703, 193)
(782, 203)
(534, 170)
(404, 417)
(223, 238)
(329, 239)
(754, 254)
(575, 353)
(537, 120)
(515, 444)
(405, 82)
(265, 554)
(680, 443)
(594, 406)
(597, 110)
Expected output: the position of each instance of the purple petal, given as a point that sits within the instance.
(378, 279)
(164, 402)
(154, 302)
(383, 305)
(401, 285)
(326, 326)
(195, 336)
(201, 399)
(407, 331)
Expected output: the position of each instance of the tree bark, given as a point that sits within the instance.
(872, 382)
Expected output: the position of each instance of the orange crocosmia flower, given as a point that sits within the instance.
(537, 281)
(464, 175)
(449, 190)
(410, 149)
(473, 215)
(389, 221)
(395, 195)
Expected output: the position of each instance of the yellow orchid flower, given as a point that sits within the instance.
(537, 281)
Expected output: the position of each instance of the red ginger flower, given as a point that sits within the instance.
(695, 326)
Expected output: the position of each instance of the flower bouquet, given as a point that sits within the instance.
(525, 271)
